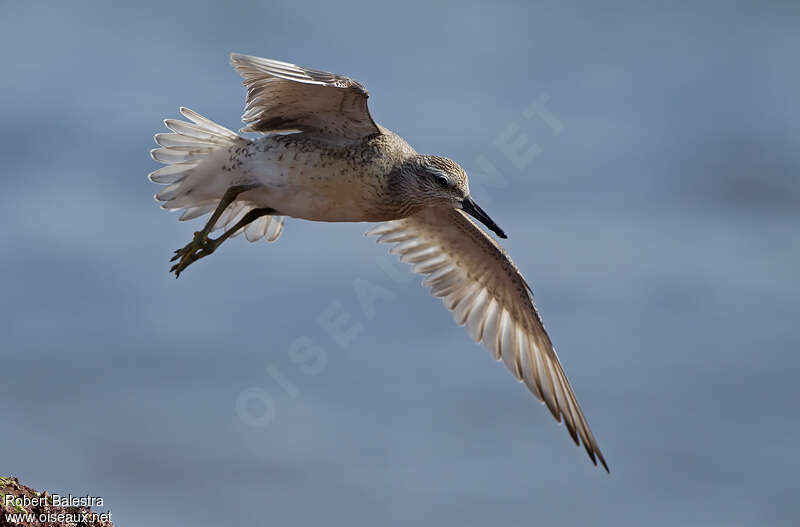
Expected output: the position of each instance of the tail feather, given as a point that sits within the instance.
(267, 227)
(196, 186)
(171, 173)
(209, 126)
(195, 212)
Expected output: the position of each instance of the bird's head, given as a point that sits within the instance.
(433, 181)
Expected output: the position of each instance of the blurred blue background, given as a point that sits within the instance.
(659, 229)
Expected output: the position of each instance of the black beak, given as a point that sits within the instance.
(472, 208)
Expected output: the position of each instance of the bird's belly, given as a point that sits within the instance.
(338, 201)
(315, 184)
(313, 206)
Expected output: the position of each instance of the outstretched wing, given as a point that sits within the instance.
(283, 96)
(483, 288)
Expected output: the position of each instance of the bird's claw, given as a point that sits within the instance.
(200, 246)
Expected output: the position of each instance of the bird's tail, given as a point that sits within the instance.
(193, 156)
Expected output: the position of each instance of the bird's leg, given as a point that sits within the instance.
(200, 240)
(227, 199)
(198, 249)
(201, 245)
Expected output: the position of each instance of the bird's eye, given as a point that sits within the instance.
(441, 180)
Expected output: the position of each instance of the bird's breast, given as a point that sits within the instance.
(323, 183)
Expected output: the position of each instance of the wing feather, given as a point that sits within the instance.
(485, 291)
(283, 96)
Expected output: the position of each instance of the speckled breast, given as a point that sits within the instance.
(309, 179)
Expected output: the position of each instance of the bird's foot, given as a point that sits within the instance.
(200, 246)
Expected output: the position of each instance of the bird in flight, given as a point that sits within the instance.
(323, 158)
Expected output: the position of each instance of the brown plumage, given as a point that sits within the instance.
(324, 158)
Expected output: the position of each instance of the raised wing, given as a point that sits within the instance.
(283, 96)
(483, 288)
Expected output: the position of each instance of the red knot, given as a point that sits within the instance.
(323, 158)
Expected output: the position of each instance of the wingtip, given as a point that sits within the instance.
(238, 58)
(596, 456)
(603, 462)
